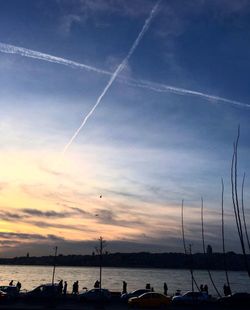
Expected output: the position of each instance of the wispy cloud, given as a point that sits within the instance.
(25, 236)
(46, 224)
(47, 214)
(108, 217)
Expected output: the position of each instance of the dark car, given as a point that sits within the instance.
(236, 299)
(3, 296)
(191, 298)
(150, 300)
(10, 290)
(96, 294)
(136, 293)
(44, 291)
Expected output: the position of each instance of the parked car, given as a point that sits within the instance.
(10, 290)
(191, 298)
(96, 294)
(149, 300)
(44, 291)
(136, 293)
(3, 296)
(236, 299)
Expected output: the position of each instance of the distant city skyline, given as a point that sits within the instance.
(162, 132)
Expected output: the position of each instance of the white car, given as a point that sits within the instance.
(191, 298)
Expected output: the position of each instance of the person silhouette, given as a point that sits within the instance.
(60, 286)
(75, 288)
(97, 284)
(65, 288)
(206, 288)
(18, 286)
(124, 287)
(165, 288)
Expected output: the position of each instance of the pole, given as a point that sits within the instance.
(101, 248)
(185, 248)
(191, 267)
(54, 267)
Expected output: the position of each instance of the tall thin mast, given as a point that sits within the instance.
(234, 189)
(204, 250)
(222, 231)
(101, 248)
(54, 267)
(185, 249)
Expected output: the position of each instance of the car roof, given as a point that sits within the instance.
(141, 289)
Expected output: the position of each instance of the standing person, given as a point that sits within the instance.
(148, 287)
(60, 286)
(65, 288)
(74, 288)
(201, 288)
(18, 286)
(124, 287)
(97, 284)
(77, 287)
(165, 288)
(206, 288)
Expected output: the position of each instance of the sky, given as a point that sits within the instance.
(162, 130)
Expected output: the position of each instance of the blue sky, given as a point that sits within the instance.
(144, 150)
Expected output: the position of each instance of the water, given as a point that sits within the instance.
(32, 276)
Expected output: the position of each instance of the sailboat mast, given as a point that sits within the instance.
(54, 267)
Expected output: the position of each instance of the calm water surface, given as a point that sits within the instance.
(32, 276)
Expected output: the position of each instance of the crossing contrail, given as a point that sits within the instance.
(163, 88)
(115, 74)
(12, 49)
(156, 87)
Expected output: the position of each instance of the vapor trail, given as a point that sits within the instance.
(163, 88)
(156, 87)
(115, 74)
(12, 49)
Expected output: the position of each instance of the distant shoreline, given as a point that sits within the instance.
(214, 261)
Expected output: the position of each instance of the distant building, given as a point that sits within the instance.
(209, 249)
